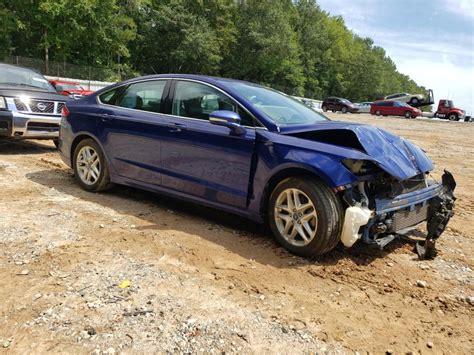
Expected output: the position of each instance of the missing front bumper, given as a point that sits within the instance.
(433, 205)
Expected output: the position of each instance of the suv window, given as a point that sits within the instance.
(197, 100)
(144, 96)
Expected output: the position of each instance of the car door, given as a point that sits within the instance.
(385, 107)
(203, 159)
(131, 128)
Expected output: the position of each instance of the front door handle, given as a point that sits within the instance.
(177, 127)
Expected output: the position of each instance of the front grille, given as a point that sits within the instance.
(42, 106)
(20, 105)
(43, 127)
(406, 218)
(39, 106)
(60, 107)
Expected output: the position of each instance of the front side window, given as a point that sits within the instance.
(144, 96)
(195, 100)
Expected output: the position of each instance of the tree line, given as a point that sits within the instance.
(293, 46)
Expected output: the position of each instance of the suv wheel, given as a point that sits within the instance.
(305, 216)
(325, 109)
(90, 167)
(344, 109)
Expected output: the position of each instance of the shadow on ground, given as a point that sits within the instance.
(24, 147)
(238, 235)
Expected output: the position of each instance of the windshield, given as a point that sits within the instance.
(23, 77)
(279, 108)
(402, 104)
(346, 101)
(68, 87)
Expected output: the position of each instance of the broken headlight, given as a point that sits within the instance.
(360, 167)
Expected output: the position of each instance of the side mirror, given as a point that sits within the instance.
(228, 119)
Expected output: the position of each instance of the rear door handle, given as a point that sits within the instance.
(106, 117)
(177, 127)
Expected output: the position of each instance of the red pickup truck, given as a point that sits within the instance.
(69, 88)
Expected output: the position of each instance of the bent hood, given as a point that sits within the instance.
(396, 155)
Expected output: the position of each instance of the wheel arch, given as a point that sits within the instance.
(86, 135)
(283, 174)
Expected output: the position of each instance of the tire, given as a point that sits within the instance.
(407, 114)
(414, 101)
(325, 109)
(453, 117)
(344, 109)
(324, 217)
(334, 110)
(378, 113)
(90, 179)
(56, 142)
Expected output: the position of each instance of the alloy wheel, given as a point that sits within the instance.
(295, 217)
(88, 165)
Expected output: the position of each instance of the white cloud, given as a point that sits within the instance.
(460, 7)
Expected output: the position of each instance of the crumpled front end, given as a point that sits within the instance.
(383, 208)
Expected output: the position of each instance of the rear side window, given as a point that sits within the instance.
(110, 97)
(144, 96)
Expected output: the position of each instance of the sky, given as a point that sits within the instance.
(432, 41)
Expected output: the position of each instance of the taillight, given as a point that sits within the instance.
(65, 112)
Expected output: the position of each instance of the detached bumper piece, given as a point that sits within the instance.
(440, 211)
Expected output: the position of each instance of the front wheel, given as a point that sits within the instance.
(325, 109)
(407, 114)
(90, 167)
(452, 117)
(305, 216)
(344, 109)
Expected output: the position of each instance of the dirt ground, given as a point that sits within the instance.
(130, 271)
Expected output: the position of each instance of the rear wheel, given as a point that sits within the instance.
(90, 167)
(378, 113)
(414, 101)
(452, 117)
(407, 114)
(305, 216)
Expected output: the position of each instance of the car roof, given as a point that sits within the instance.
(206, 78)
(63, 82)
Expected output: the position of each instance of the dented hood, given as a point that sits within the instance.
(396, 155)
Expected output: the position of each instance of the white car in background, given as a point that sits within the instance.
(412, 99)
(364, 107)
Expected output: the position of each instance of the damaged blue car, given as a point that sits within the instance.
(253, 151)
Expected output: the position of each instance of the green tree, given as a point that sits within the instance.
(267, 49)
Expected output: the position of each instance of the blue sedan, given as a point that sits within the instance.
(258, 153)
